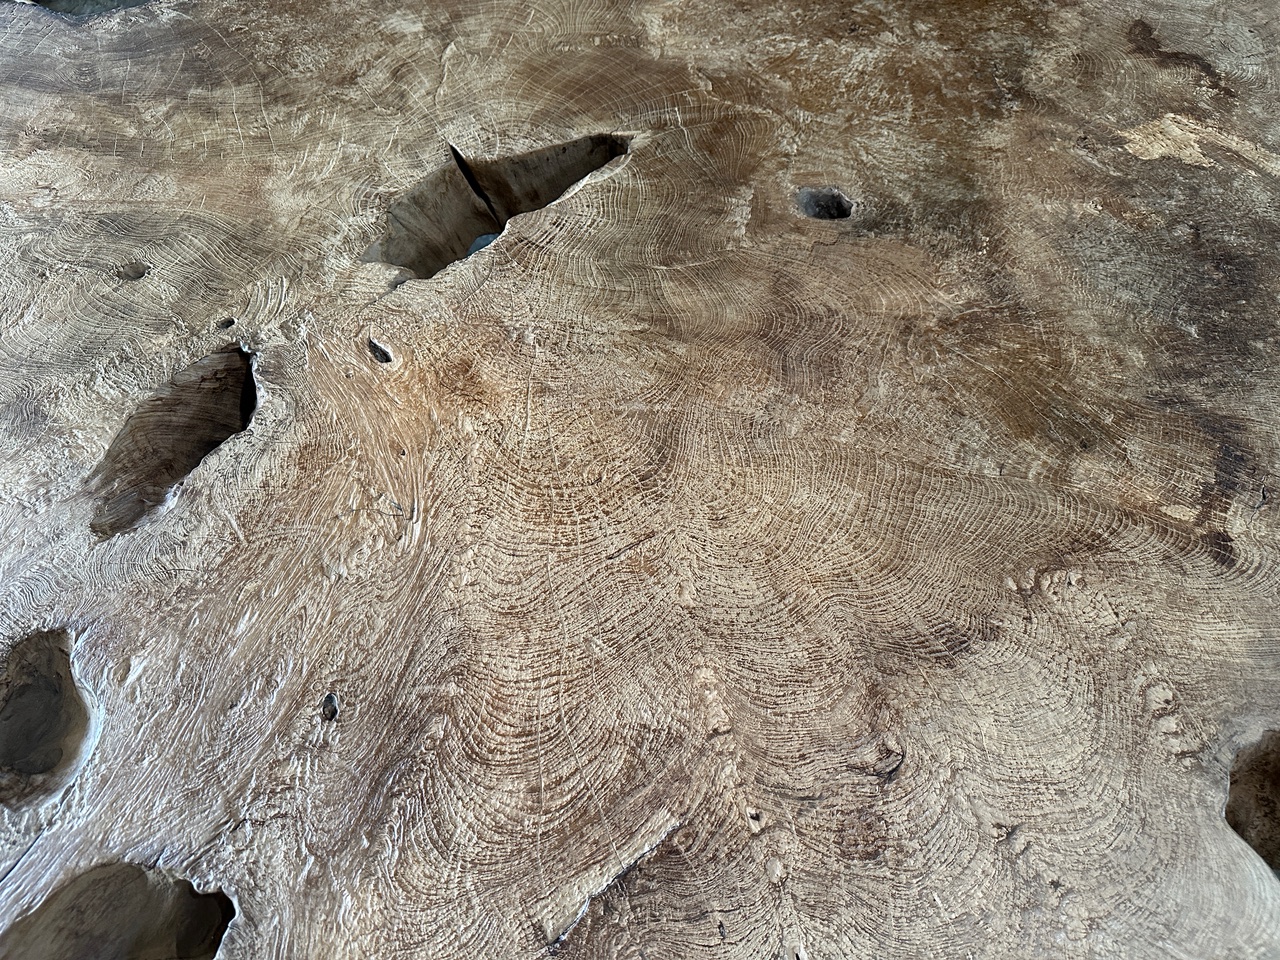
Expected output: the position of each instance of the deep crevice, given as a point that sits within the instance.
(43, 718)
(167, 437)
(124, 912)
(473, 182)
(824, 203)
(1253, 800)
(462, 207)
(379, 352)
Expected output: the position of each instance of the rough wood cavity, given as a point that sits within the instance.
(465, 205)
(170, 434)
(123, 912)
(834, 518)
(43, 717)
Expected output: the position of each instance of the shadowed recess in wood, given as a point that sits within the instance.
(167, 437)
(87, 8)
(121, 911)
(464, 206)
(43, 718)
(1253, 804)
(824, 203)
(329, 707)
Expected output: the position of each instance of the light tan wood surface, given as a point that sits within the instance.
(691, 571)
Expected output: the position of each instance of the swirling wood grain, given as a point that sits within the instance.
(678, 575)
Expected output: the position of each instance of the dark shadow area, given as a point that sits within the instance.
(168, 435)
(43, 719)
(1143, 42)
(379, 352)
(824, 203)
(135, 270)
(87, 8)
(329, 707)
(462, 207)
(1253, 801)
(120, 911)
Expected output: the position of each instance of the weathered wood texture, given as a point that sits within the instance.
(693, 571)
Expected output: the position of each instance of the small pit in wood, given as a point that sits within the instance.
(379, 352)
(329, 707)
(824, 203)
(464, 206)
(123, 912)
(169, 435)
(134, 270)
(43, 719)
(1253, 802)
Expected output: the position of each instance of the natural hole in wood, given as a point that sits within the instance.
(123, 912)
(464, 206)
(824, 203)
(133, 271)
(329, 706)
(1253, 803)
(167, 437)
(87, 8)
(380, 353)
(43, 718)
(226, 323)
